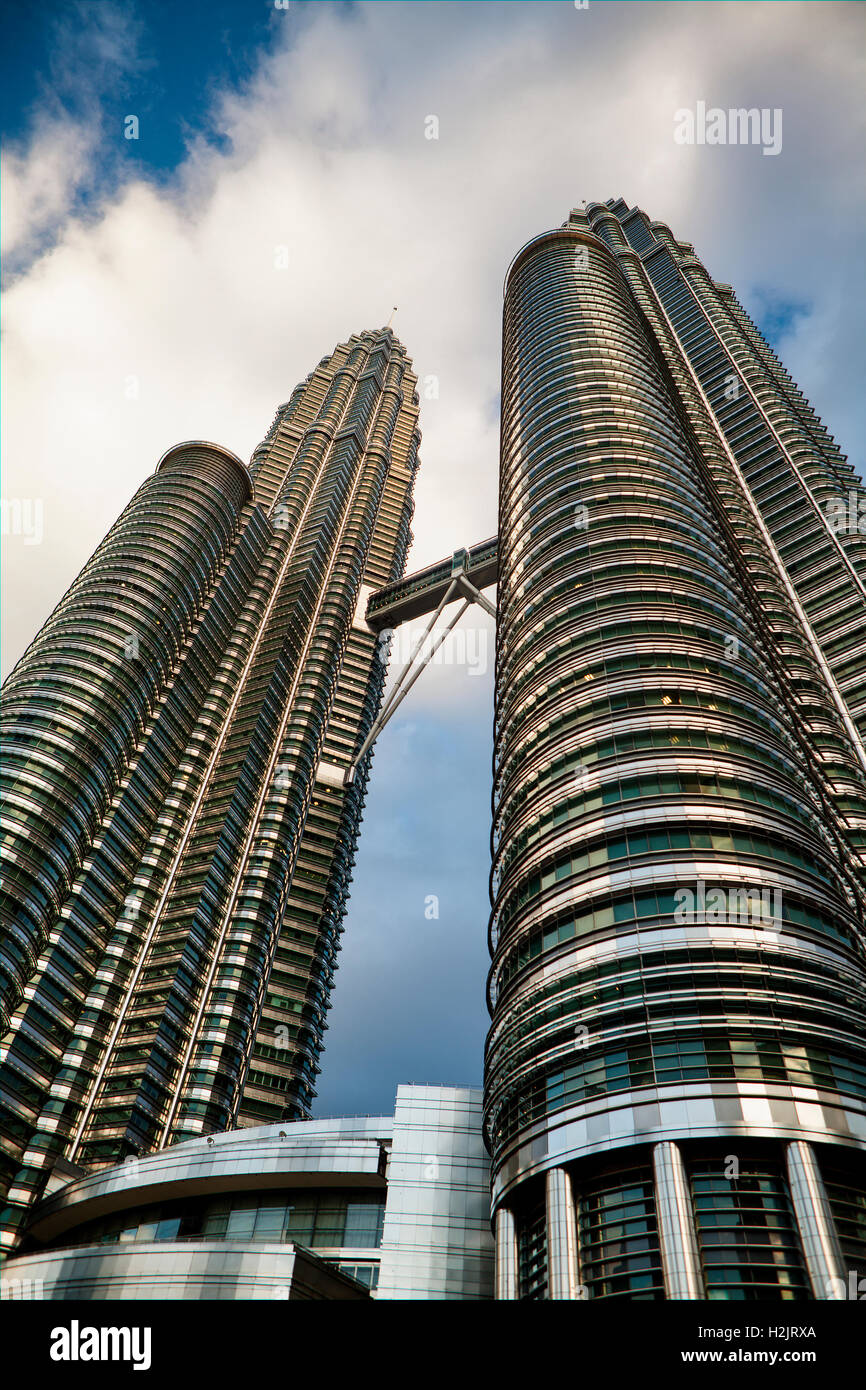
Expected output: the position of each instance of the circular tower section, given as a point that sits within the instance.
(675, 961)
(79, 700)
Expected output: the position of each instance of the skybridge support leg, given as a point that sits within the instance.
(459, 585)
(474, 595)
(396, 700)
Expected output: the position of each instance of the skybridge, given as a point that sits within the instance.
(422, 592)
(460, 577)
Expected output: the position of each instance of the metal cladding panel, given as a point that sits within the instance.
(436, 1242)
(194, 1271)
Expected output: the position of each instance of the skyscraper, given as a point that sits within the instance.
(676, 1068)
(675, 1088)
(177, 833)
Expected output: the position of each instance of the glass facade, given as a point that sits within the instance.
(179, 840)
(845, 1183)
(747, 1232)
(620, 1252)
(312, 1219)
(679, 798)
(532, 1246)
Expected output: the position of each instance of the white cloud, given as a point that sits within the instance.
(95, 49)
(539, 106)
(39, 186)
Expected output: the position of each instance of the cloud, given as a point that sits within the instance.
(172, 291)
(39, 186)
(94, 50)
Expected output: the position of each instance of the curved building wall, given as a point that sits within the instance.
(183, 985)
(780, 473)
(396, 1204)
(676, 950)
(81, 697)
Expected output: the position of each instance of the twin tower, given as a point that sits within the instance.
(675, 1074)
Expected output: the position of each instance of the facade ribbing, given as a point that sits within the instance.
(179, 841)
(679, 795)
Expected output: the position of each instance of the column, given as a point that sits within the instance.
(562, 1279)
(679, 1245)
(506, 1255)
(824, 1259)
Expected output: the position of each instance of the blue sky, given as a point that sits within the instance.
(176, 57)
(144, 306)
